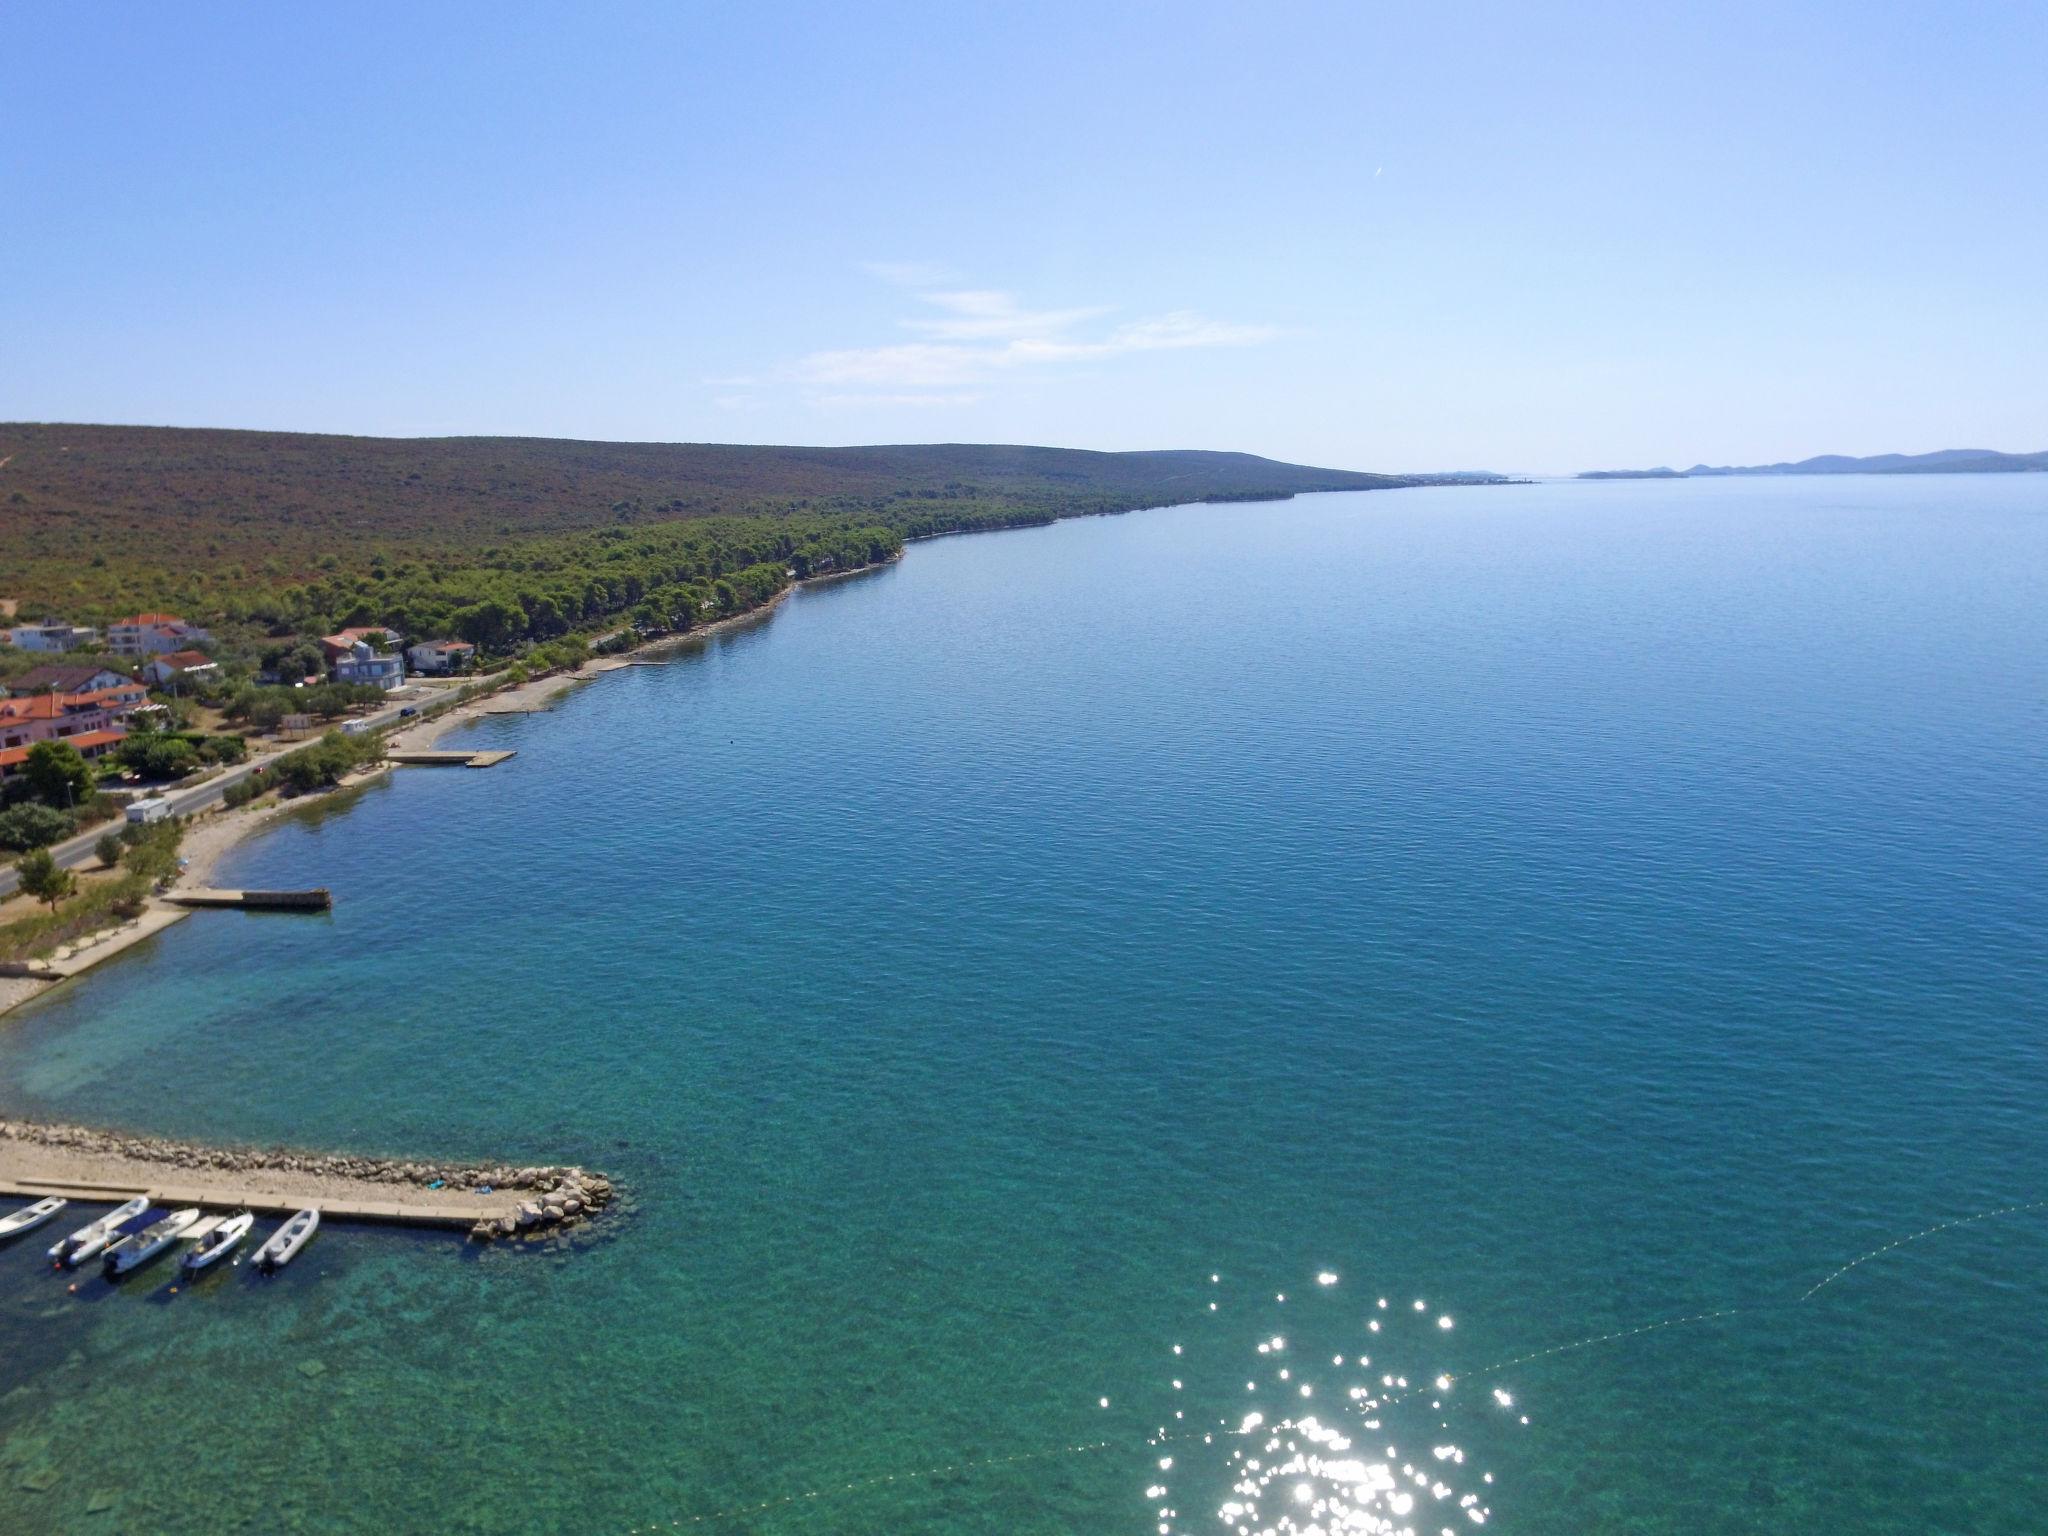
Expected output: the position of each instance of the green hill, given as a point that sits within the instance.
(95, 517)
(518, 542)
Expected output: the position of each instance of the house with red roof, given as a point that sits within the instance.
(67, 716)
(90, 744)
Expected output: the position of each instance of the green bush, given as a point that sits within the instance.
(33, 825)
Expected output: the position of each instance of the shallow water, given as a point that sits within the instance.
(1575, 905)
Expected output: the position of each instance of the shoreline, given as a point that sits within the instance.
(217, 831)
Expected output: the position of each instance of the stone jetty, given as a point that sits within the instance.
(493, 1200)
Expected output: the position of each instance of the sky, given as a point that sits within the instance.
(1512, 236)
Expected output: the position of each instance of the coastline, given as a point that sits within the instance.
(218, 830)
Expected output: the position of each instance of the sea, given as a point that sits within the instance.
(1519, 1008)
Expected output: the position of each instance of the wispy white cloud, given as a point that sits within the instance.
(978, 334)
(985, 315)
(841, 402)
(911, 274)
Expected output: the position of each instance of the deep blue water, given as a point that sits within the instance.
(1575, 905)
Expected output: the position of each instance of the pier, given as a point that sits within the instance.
(319, 899)
(488, 1200)
(461, 1210)
(426, 759)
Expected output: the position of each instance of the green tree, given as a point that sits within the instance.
(490, 625)
(42, 879)
(57, 775)
(109, 848)
(33, 825)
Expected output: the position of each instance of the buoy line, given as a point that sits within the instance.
(885, 1479)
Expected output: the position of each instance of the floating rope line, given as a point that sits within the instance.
(1288, 1424)
(1603, 1338)
(1960, 1221)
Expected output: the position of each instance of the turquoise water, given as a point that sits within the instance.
(1576, 906)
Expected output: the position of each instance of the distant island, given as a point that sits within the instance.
(1946, 461)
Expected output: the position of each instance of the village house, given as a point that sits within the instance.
(92, 721)
(182, 667)
(61, 677)
(50, 635)
(353, 657)
(152, 634)
(440, 657)
(341, 645)
(363, 666)
(90, 744)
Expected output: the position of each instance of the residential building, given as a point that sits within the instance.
(363, 666)
(65, 716)
(341, 645)
(59, 677)
(89, 744)
(152, 634)
(51, 636)
(182, 667)
(440, 657)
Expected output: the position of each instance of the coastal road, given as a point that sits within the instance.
(75, 851)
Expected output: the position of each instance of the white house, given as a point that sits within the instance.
(182, 667)
(440, 657)
(152, 634)
(51, 636)
(363, 666)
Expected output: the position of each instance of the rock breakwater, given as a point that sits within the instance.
(538, 1199)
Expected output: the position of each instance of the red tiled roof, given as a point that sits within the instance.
(185, 661)
(102, 697)
(85, 741)
(152, 618)
(41, 706)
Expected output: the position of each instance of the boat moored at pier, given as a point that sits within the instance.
(138, 1248)
(30, 1216)
(217, 1244)
(89, 1239)
(279, 1248)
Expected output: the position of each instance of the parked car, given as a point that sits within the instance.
(409, 710)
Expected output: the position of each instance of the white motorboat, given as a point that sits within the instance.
(138, 1248)
(30, 1216)
(287, 1240)
(217, 1244)
(95, 1235)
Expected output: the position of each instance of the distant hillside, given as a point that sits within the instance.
(1946, 461)
(95, 517)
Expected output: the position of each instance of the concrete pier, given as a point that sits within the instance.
(488, 1200)
(459, 1210)
(319, 899)
(426, 759)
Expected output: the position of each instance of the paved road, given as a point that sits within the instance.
(78, 850)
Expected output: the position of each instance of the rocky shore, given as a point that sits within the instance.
(537, 1200)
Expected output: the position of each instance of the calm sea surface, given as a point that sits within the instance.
(1573, 906)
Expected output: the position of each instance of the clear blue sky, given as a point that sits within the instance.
(1488, 235)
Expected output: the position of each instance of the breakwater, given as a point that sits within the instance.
(491, 1200)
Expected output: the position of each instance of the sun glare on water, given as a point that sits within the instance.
(1305, 1449)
